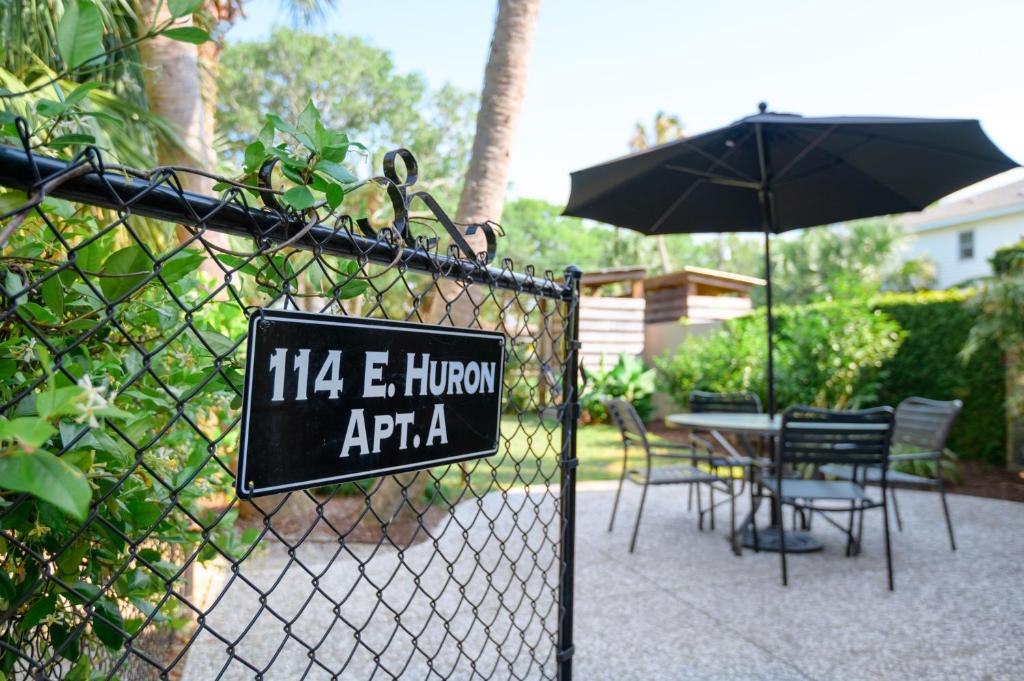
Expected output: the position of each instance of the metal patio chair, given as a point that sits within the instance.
(669, 463)
(702, 402)
(736, 403)
(922, 426)
(819, 437)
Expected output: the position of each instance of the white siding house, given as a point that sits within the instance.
(960, 236)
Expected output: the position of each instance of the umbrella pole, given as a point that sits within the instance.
(764, 196)
(771, 319)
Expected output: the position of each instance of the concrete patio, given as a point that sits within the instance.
(681, 607)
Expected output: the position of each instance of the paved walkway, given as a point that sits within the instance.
(681, 607)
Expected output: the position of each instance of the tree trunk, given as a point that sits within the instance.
(184, 94)
(483, 193)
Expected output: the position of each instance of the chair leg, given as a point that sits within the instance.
(711, 510)
(700, 508)
(860, 529)
(896, 509)
(849, 529)
(615, 504)
(888, 543)
(636, 526)
(732, 519)
(689, 499)
(782, 539)
(755, 496)
(945, 511)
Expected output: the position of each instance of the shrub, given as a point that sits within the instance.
(937, 324)
(629, 378)
(826, 355)
(1008, 259)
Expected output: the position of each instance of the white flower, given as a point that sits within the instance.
(94, 401)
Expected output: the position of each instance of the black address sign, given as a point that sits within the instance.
(329, 399)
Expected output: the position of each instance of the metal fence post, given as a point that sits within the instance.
(570, 419)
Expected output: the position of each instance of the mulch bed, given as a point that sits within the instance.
(342, 516)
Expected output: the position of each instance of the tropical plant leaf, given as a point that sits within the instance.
(80, 33)
(47, 477)
(181, 8)
(299, 198)
(187, 34)
(124, 269)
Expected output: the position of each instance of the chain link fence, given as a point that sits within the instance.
(122, 343)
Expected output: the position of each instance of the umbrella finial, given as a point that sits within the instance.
(762, 107)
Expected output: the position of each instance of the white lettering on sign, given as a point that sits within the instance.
(366, 434)
(372, 385)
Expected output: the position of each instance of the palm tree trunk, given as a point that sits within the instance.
(483, 193)
(183, 93)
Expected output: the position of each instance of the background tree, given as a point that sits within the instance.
(357, 89)
(844, 261)
(486, 181)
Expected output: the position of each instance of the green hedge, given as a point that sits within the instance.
(936, 325)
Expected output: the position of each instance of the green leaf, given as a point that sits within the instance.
(336, 170)
(48, 478)
(30, 431)
(14, 284)
(80, 33)
(79, 93)
(181, 8)
(58, 402)
(71, 139)
(49, 108)
(254, 155)
(181, 264)
(59, 635)
(39, 610)
(107, 624)
(335, 195)
(131, 260)
(219, 343)
(308, 120)
(334, 152)
(299, 198)
(187, 34)
(281, 124)
(12, 200)
(266, 135)
(82, 671)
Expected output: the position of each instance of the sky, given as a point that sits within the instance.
(599, 66)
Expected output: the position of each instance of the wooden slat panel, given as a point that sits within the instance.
(627, 315)
(634, 326)
(596, 302)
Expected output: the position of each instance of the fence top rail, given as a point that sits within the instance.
(160, 199)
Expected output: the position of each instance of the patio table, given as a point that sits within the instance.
(720, 424)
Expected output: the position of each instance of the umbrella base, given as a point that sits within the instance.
(768, 540)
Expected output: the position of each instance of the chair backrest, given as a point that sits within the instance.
(737, 403)
(624, 415)
(924, 424)
(821, 436)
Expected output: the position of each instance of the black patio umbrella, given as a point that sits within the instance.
(774, 172)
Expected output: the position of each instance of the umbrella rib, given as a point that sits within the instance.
(841, 161)
(803, 153)
(714, 179)
(675, 204)
(721, 160)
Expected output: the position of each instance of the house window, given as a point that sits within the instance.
(966, 245)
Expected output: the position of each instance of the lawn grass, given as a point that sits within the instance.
(528, 457)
